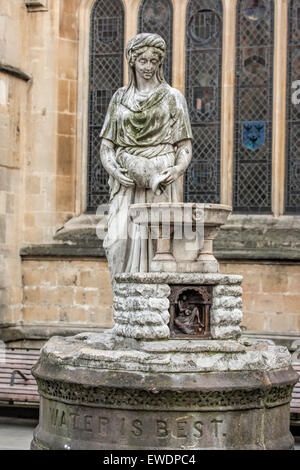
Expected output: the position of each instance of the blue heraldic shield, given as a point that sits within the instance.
(253, 134)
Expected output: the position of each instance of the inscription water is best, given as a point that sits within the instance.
(111, 426)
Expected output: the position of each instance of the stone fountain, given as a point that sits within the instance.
(159, 381)
(175, 371)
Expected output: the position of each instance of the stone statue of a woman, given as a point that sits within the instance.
(146, 147)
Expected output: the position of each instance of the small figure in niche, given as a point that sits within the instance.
(188, 321)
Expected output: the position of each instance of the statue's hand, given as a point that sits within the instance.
(124, 180)
(170, 174)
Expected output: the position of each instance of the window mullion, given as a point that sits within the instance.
(279, 106)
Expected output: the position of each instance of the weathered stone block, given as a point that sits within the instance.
(72, 96)
(227, 302)
(66, 124)
(2, 229)
(65, 151)
(220, 290)
(93, 278)
(221, 316)
(149, 292)
(68, 25)
(64, 193)
(291, 303)
(225, 332)
(33, 184)
(63, 95)
(142, 332)
(161, 395)
(29, 219)
(67, 56)
(40, 313)
(67, 278)
(139, 318)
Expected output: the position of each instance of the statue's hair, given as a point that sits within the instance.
(137, 46)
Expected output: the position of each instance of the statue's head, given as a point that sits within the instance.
(140, 44)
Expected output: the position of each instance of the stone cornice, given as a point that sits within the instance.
(244, 237)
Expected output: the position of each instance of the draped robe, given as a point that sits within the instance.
(144, 126)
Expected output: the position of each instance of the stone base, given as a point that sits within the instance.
(101, 392)
(141, 303)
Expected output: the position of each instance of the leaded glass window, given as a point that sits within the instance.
(106, 76)
(203, 94)
(156, 16)
(253, 106)
(292, 174)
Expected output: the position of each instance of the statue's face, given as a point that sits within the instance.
(147, 64)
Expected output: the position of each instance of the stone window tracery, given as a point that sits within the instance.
(203, 76)
(253, 107)
(156, 16)
(292, 173)
(106, 76)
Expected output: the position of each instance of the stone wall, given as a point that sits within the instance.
(69, 291)
(38, 85)
(271, 294)
(71, 294)
(14, 93)
(43, 147)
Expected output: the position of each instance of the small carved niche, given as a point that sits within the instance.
(190, 311)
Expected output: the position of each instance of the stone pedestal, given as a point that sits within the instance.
(102, 392)
(142, 306)
(174, 372)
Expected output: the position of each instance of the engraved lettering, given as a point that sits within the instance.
(137, 425)
(181, 429)
(88, 423)
(63, 419)
(198, 426)
(103, 425)
(74, 417)
(217, 421)
(123, 427)
(161, 428)
(54, 416)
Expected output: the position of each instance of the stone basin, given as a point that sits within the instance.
(183, 234)
(189, 212)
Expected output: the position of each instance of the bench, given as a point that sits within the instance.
(295, 403)
(17, 385)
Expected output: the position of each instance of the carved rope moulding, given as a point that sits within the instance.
(109, 397)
